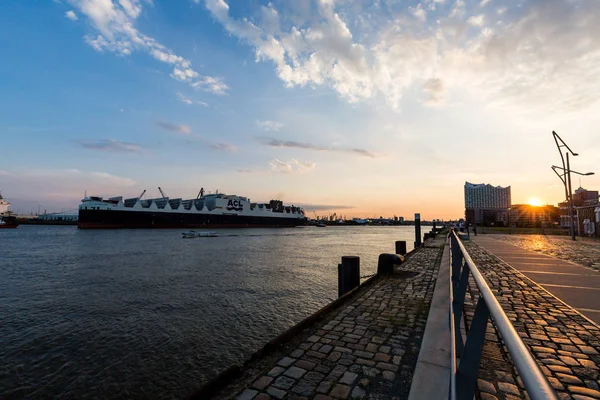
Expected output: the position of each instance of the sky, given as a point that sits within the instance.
(364, 108)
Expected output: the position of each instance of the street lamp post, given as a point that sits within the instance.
(566, 178)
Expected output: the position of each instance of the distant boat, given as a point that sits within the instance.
(194, 234)
(206, 211)
(8, 222)
(321, 225)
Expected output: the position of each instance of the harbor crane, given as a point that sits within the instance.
(162, 193)
(200, 193)
(142, 195)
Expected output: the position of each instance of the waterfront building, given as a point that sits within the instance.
(486, 204)
(528, 216)
(581, 198)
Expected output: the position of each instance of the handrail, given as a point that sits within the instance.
(535, 381)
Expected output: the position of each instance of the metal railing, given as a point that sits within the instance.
(466, 355)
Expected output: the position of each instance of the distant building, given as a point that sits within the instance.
(581, 198)
(528, 216)
(486, 204)
(401, 220)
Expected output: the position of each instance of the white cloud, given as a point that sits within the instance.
(189, 101)
(293, 165)
(518, 62)
(483, 3)
(114, 21)
(183, 99)
(269, 125)
(434, 88)
(477, 20)
(71, 15)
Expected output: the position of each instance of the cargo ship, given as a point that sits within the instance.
(6, 220)
(216, 210)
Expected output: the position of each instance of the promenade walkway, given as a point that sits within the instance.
(564, 343)
(367, 348)
(577, 284)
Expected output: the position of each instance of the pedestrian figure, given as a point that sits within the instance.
(461, 227)
(475, 229)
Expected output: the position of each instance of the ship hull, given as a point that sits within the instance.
(110, 219)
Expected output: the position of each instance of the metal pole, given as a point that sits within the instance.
(417, 230)
(568, 172)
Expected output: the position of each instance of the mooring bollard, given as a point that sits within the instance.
(348, 274)
(417, 230)
(401, 247)
(386, 262)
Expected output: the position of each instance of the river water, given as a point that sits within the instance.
(145, 313)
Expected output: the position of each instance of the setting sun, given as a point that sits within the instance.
(534, 201)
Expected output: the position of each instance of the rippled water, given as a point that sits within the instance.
(144, 313)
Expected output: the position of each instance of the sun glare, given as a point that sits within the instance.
(534, 201)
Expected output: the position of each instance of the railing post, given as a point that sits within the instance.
(457, 258)
(468, 368)
(458, 305)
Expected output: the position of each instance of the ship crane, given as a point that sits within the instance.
(162, 193)
(142, 195)
(200, 193)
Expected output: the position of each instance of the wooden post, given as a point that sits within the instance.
(401, 247)
(417, 230)
(348, 274)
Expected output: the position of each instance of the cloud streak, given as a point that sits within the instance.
(277, 143)
(167, 126)
(111, 145)
(293, 165)
(268, 125)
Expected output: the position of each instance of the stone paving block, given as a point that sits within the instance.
(595, 394)
(295, 372)
(277, 393)
(324, 386)
(262, 396)
(297, 353)
(348, 378)
(276, 371)
(263, 382)
(247, 394)
(340, 391)
(283, 382)
(286, 361)
(305, 364)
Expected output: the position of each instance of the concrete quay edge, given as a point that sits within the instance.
(433, 362)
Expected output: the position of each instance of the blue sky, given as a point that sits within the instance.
(362, 107)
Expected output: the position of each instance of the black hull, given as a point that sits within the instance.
(108, 219)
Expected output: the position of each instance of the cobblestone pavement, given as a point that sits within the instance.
(366, 350)
(564, 343)
(586, 253)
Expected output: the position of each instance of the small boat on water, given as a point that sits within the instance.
(194, 234)
(6, 220)
(321, 225)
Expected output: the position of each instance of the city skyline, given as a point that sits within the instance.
(359, 108)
